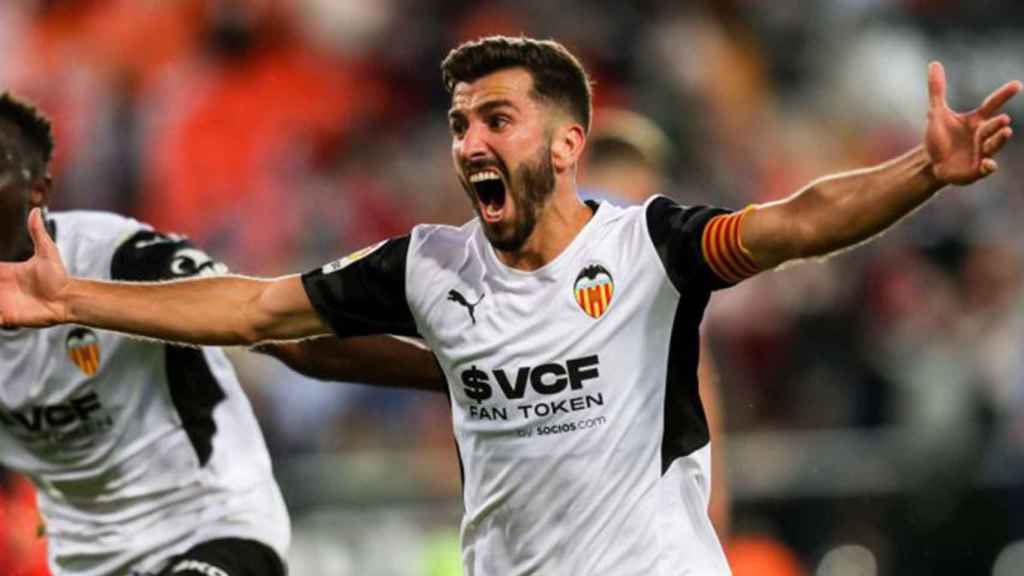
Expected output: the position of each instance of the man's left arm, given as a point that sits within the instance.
(842, 210)
(378, 360)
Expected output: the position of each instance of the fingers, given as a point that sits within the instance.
(936, 85)
(40, 237)
(988, 166)
(993, 134)
(990, 127)
(995, 143)
(995, 100)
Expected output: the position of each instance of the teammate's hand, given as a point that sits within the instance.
(30, 292)
(962, 146)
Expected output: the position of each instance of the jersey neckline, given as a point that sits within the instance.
(600, 209)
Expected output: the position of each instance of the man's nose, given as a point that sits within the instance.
(474, 143)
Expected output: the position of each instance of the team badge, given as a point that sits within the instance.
(84, 350)
(594, 288)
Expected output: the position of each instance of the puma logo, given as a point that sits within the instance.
(459, 299)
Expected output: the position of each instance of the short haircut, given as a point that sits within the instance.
(29, 148)
(557, 75)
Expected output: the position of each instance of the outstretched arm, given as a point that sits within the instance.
(378, 360)
(226, 310)
(844, 209)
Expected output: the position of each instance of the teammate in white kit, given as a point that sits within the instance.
(567, 331)
(140, 452)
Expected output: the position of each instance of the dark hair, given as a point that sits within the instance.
(557, 75)
(32, 147)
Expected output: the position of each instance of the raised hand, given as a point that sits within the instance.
(962, 146)
(30, 292)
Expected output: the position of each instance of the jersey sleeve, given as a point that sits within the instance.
(698, 245)
(364, 293)
(148, 255)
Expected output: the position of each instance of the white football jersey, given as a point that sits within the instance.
(139, 450)
(583, 441)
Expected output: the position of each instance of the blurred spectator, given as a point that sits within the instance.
(241, 130)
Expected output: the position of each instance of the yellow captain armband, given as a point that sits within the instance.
(724, 251)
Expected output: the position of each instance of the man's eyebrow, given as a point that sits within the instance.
(484, 108)
(491, 105)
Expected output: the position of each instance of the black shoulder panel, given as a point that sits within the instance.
(364, 293)
(149, 256)
(676, 232)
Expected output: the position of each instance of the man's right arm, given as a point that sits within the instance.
(228, 310)
(218, 311)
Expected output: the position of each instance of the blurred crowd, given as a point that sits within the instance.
(280, 134)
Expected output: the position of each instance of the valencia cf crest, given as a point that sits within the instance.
(593, 289)
(84, 350)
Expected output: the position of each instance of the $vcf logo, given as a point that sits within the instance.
(593, 290)
(458, 298)
(83, 348)
(547, 379)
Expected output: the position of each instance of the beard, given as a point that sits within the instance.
(530, 187)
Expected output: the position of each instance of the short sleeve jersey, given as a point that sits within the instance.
(584, 445)
(138, 449)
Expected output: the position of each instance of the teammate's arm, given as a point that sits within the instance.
(844, 209)
(378, 360)
(226, 310)
(709, 384)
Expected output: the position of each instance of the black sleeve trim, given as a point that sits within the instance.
(365, 296)
(148, 256)
(676, 232)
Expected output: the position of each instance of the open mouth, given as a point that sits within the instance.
(490, 192)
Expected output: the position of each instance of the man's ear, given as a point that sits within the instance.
(567, 145)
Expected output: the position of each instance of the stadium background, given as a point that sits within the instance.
(874, 403)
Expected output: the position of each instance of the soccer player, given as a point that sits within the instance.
(146, 457)
(623, 163)
(568, 332)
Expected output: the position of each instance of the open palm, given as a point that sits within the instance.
(30, 291)
(962, 146)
